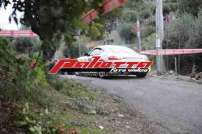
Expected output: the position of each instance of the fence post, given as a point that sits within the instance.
(176, 65)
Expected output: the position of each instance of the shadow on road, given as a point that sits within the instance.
(122, 77)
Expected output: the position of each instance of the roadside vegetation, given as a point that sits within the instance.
(36, 102)
(32, 101)
(183, 24)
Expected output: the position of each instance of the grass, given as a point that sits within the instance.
(76, 90)
(47, 98)
(40, 100)
(44, 98)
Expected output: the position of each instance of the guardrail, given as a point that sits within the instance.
(17, 33)
(171, 52)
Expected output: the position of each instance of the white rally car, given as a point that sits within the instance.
(115, 53)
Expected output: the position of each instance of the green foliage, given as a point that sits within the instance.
(147, 10)
(148, 43)
(27, 45)
(30, 9)
(190, 6)
(73, 49)
(184, 32)
(147, 30)
(71, 88)
(96, 31)
(170, 6)
(141, 9)
(35, 123)
(129, 15)
(42, 100)
(25, 82)
(19, 78)
(43, 121)
(138, 9)
(126, 33)
(53, 19)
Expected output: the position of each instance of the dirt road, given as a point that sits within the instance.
(173, 104)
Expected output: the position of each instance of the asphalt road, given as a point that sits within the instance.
(175, 105)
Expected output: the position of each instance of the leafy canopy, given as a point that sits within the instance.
(50, 18)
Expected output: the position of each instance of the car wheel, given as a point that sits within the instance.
(101, 74)
(61, 72)
(141, 75)
(71, 73)
(65, 73)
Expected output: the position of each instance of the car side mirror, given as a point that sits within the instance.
(86, 54)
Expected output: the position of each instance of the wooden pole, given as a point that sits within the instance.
(176, 70)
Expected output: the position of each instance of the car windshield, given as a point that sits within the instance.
(96, 51)
(120, 50)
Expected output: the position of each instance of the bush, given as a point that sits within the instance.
(185, 32)
(36, 123)
(19, 78)
(27, 45)
(126, 33)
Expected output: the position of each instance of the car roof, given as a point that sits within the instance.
(105, 47)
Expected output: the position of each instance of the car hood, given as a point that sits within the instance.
(131, 56)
